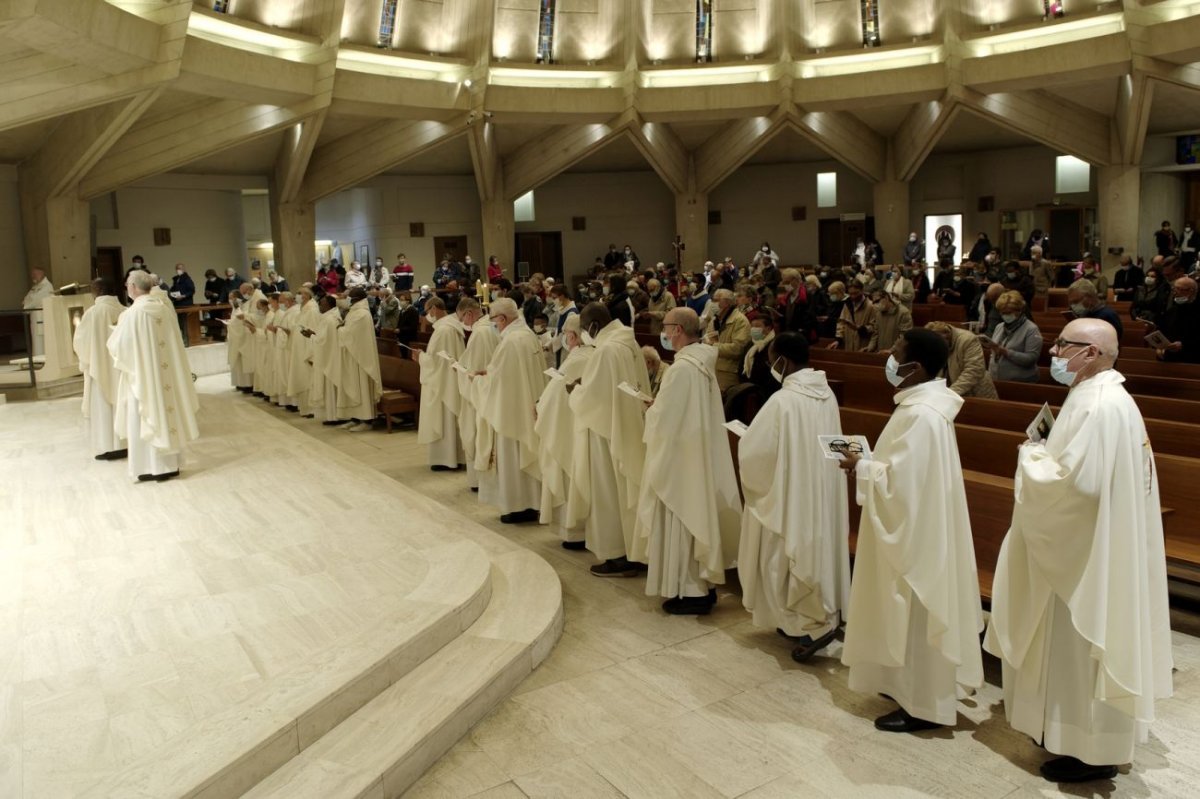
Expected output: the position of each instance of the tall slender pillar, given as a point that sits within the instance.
(499, 231)
(1120, 189)
(294, 233)
(892, 224)
(691, 225)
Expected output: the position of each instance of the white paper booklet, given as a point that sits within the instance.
(552, 373)
(836, 447)
(1039, 429)
(458, 367)
(633, 391)
(737, 427)
(1157, 340)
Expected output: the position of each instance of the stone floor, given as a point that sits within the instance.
(635, 703)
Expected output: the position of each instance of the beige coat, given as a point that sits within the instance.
(732, 343)
(889, 327)
(1043, 274)
(966, 371)
(849, 323)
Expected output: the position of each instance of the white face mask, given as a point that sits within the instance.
(539, 329)
(775, 373)
(1078, 308)
(1059, 370)
(1181, 300)
(892, 371)
(587, 338)
(1150, 281)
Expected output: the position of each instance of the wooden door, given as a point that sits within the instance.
(852, 231)
(109, 264)
(542, 252)
(829, 242)
(1066, 234)
(453, 247)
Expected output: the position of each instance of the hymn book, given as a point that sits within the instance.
(737, 427)
(1039, 429)
(634, 392)
(552, 373)
(1158, 341)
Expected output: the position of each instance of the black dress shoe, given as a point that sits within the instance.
(810, 647)
(1070, 769)
(691, 605)
(574, 546)
(440, 468)
(145, 478)
(292, 408)
(475, 489)
(899, 721)
(334, 422)
(615, 567)
(165, 476)
(113, 455)
(520, 516)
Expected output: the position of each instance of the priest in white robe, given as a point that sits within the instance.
(481, 345)
(913, 624)
(40, 288)
(360, 385)
(794, 555)
(555, 428)
(689, 512)
(327, 363)
(1079, 603)
(514, 382)
(610, 451)
(100, 377)
(241, 341)
(283, 333)
(264, 347)
(156, 402)
(441, 400)
(300, 370)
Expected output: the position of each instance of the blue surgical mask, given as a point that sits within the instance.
(1059, 371)
(1009, 318)
(757, 333)
(666, 342)
(892, 371)
(1078, 309)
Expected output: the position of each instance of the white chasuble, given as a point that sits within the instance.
(1079, 604)
(914, 616)
(515, 381)
(155, 377)
(689, 512)
(441, 400)
(100, 377)
(360, 385)
(300, 370)
(327, 365)
(794, 557)
(481, 345)
(555, 428)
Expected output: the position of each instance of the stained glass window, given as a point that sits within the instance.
(387, 23)
(545, 46)
(704, 31)
(870, 23)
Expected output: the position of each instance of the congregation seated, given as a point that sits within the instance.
(1150, 300)
(1181, 324)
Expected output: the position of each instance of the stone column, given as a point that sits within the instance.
(892, 224)
(294, 233)
(1119, 188)
(58, 237)
(691, 225)
(499, 232)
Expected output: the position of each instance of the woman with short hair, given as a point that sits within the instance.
(1016, 343)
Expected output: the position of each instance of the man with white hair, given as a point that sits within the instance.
(1086, 303)
(441, 402)
(609, 451)
(284, 334)
(689, 513)
(241, 342)
(730, 334)
(156, 405)
(655, 368)
(360, 386)
(514, 381)
(1042, 271)
(1079, 602)
(39, 289)
(99, 374)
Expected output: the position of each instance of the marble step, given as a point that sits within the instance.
(230, 752)
(382, 749)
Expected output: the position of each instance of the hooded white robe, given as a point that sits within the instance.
(555, 427)
(359, 385)
(441, 401)
(300, 371)
(156, 401)
(100, 376)
(514, 382)
(240, 341)
(285, 337)
(914, 617)
(1079, 604)
(689, 512)
(481, 345)
(794, 557)
(609, 451)
(327, 364)
(264, 352)
(33, 300)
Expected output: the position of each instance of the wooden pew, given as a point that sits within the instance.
(401, 378)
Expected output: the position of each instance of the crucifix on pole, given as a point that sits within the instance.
(678, 246)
